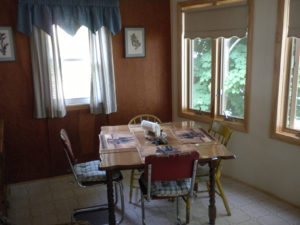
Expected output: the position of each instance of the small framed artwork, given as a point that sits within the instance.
(7, 50)
(135, 42)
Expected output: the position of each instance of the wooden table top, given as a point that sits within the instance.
(125, 146)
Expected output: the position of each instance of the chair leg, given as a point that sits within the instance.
(188, 210)
(131, 186)
(122, 202)
(143, 209)
(223, 197)
(208, 186)
(116, 194)
(196, 187)
(177, 210)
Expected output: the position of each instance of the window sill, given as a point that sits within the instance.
(288, 137)
(239, 125)
(78, 108)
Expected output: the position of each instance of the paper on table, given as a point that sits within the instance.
(117, 141)
(196, 135)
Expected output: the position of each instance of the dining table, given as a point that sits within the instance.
(125, 147)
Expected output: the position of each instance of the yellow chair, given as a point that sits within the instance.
(222, 134)
(135, 174)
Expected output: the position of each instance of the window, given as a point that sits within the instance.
(286, 117)
(214, 76)
(76, 66)
(60, 63)
(232, 75)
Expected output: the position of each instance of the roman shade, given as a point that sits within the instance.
(70, 15)
(216, 21)
(294, 24)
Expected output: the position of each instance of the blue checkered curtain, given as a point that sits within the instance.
(70, 15)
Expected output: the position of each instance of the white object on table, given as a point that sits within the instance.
(151, 126)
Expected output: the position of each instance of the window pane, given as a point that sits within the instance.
(76, 79)
(233, 79)
(201, 75)
(76, 70)
(293, 115)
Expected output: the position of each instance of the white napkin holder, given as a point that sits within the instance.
(151, 128)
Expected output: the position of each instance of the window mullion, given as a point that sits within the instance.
(190, 72)
(218, 78)
(216, 69)
(223, 55)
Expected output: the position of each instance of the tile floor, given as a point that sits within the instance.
(51, 201)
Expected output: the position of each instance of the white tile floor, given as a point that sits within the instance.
(51, 201)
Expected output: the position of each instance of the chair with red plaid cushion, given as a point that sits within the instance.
(169, 176)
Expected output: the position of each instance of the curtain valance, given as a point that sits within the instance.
(70, 15)
(217, 21)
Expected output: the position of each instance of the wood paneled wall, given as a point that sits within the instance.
(143, 86)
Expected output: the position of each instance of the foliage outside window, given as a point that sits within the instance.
(286, 117)
(214, 77)
(201, 74)
(233, 74)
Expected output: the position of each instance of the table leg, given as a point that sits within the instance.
(110, 198)
(212, 207)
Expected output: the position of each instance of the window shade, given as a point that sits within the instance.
(219, 21)
(294, 24)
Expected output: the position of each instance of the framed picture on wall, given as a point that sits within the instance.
(135, 42)
(7, 50)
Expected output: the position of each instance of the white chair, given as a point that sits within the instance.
(88, 174)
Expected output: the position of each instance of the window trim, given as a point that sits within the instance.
(279, 130)
(78, 108)
(183, 107)
(77, 101)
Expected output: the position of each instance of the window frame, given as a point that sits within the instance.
(184, 73)
(283, 49)
(189, 62)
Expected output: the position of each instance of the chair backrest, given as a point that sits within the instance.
(67, 147)
(220, 132)
(138, 119)
(171, 167)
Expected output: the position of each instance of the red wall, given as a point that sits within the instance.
(143, 86)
